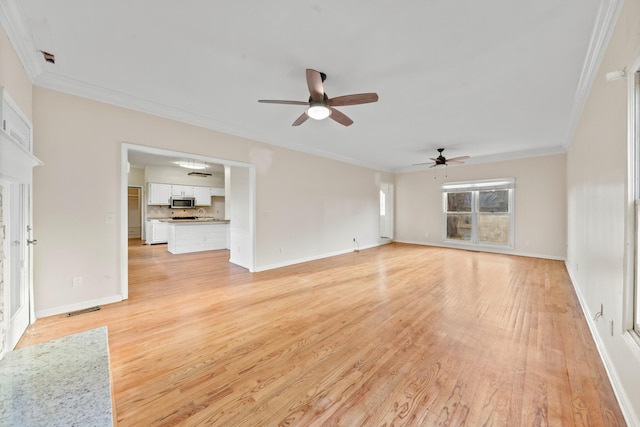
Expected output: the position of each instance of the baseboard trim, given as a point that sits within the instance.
(625, 403)
(77, 306)
(484, 249)
(314, 258)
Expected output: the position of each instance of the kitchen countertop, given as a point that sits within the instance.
(191, 221)
(64, 382)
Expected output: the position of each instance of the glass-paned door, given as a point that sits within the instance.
(20, 262)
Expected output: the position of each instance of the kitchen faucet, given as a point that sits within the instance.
(202, 212)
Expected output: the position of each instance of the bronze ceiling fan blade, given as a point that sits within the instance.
(277, 101)
(354, 99)
(314, 82)
(340, 117)
(300, 120)
(442, 161)
(458, 159)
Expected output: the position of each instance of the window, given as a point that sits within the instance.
(479, 212)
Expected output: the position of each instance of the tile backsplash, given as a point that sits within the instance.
(216, 211)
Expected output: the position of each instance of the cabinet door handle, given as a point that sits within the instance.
(32, 242)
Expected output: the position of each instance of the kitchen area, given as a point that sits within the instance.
(181, 204)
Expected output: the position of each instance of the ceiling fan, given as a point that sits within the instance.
(441, 160)
(320, 106)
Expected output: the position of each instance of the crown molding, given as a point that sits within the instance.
(500, 157)
(15, 25)
(100, 94)
(603, 29)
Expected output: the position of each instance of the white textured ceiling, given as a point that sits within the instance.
(491, 79)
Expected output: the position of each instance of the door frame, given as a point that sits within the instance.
(8, 272)
(124, 184)
(388, 189)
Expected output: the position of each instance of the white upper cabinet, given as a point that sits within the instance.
(159, 194)
(217, 191)
(182, 190)
(203, 196)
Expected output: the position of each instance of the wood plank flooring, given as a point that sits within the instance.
(397, 335)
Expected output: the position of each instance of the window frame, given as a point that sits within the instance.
(475, 187)
(634, 194)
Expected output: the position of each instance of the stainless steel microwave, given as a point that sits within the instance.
(182, 202)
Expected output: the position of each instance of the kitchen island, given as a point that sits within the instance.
(197, 235)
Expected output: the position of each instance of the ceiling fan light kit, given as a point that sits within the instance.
(320, 106)
(191, 164)
(318, 112)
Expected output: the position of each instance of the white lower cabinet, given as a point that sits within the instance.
(157, 232)
(196, 237)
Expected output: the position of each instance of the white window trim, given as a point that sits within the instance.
(462, 186)
(632, 258)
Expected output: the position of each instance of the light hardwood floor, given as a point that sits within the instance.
(396, 335)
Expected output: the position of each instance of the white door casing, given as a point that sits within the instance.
(16, 170)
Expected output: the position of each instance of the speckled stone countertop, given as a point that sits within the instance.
(64, 382)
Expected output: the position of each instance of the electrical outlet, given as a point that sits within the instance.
(77, 281)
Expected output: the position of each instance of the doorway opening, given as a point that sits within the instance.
(239, 183)
(386, 210)
(134, 212)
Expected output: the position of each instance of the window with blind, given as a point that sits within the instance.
(478, 212)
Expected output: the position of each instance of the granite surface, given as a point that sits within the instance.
(196, 221)
(64, 382)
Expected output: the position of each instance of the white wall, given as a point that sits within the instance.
(540, 203)
(597, 209)
(241, 201)
(310, 206)
(333, 204)
(136, 177)
(13, 76)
